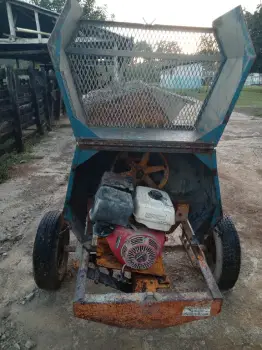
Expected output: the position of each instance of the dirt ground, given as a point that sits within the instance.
(30, 318)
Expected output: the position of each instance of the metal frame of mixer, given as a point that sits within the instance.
(145, 308)
(152, 309)
(237, 56)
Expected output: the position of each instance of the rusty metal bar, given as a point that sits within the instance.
(144, 310)
(187, 246)
(82, 275)
(188, 229)
(192, 246)
(209, 278)
(143, 146)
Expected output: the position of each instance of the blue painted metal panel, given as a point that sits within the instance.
(236, 45)
(210, 160)
(248, 60)
(214, 135)
(56, 47)
(80, 157)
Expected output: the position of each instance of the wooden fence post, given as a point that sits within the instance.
(45, 99)
(31, 73)
(50, 97)
(15, 110)
(57, 104)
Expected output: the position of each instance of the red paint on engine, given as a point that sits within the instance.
(137, 249)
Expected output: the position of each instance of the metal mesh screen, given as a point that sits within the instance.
(133, 76)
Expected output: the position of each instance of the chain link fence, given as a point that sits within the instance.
(136, 76)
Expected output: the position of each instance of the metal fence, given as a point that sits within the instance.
(254, 79)
(129, 75)
(29, 103)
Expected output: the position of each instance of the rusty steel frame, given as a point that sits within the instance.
(99, 144)
(150, 309)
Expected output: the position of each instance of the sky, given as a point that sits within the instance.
(174, 12)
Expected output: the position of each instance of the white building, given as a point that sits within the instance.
(186, 76)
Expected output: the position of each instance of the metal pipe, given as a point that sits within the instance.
(21, 53)
(150, 26)
(125, 53)
(10, 19)
(31, 31)
(38, 26)
(20, 40)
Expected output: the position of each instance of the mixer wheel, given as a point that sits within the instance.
(224, 253)
(49, 255)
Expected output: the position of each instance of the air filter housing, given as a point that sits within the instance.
(154, 209)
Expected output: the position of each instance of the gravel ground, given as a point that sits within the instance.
(34, 319)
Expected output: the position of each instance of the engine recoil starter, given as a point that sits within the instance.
(137, 249)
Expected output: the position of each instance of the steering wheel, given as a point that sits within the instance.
(141, 170)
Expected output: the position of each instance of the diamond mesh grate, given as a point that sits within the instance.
(133, 76)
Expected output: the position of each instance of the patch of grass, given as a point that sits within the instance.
(253, 111)
(199, 94)
(258, 113)
(253, 88)
(8, 160)
(251, 96)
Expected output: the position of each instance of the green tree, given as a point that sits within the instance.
(91, 10)
(143, 46)
(254, 22)
(168, 47)
(207, 45)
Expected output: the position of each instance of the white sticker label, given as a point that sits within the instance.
(196, 311)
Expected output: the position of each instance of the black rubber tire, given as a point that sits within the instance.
(227, 260)
(49, 257)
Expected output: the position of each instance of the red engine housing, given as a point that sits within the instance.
(137, 249)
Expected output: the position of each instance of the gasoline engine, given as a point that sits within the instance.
(134, 220)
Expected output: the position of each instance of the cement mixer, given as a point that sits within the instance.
(148, 105)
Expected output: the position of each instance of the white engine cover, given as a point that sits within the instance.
(154, 209)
